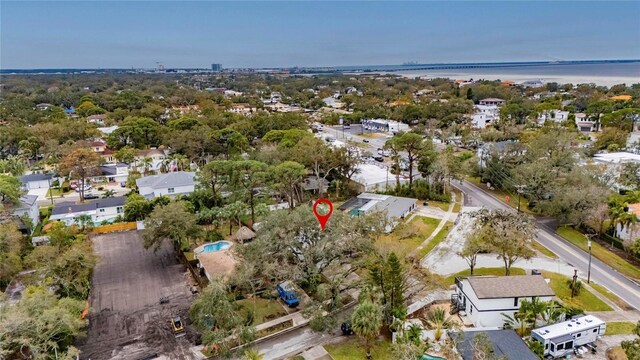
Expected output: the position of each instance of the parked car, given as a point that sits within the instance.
(287, 293)
(89, 196)
(365, 140)
(346, 329)
(378, 158)
(83, 188)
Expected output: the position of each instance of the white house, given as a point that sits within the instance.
(97, 119)
(36, 181)
(112, 173)
(484, 299)
(558, 116)
(485, 115)
(157, 157)
(28, 207)
(169, 184)
(243, 109)
(586, 124)
(99, 210)
(384, 125)
(492, 101)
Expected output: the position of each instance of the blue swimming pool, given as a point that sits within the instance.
(431, 357)
(216, 246)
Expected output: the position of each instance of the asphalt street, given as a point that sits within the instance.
(624, 287)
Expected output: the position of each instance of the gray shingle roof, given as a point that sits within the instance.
(493, 287)
(35, 177)
(65, 208)
(172, 179)
(28, 199)
(506, 343)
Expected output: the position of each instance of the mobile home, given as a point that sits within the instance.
(562, 338)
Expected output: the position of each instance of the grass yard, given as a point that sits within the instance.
(439, 204)
(543, 250)
(499, 194)
(436, 240)
(611, 296)
(56, 192)
(458, 205)
(407, 236)
(603, 254)
(265, 310)
(620, 328)
(586, 300)
(497, 271)
(353, 349)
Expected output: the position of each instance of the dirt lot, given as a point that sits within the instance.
(127, 320)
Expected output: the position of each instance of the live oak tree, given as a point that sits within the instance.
(80, 164)
(475, 245)
(288, 176)
(315, 155)
(9, 190)
(10, 247)
(217, 316)
(291, 246)
(171, 222)
(507, 234)
(41, 325)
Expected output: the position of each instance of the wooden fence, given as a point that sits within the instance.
(122, 226)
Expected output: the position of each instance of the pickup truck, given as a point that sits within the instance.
(287, 293)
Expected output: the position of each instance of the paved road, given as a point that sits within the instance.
(627, 289)
(291, 343)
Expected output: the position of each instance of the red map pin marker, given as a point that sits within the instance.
(322, 219)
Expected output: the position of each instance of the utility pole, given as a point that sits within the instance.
(589, 268)
(520, 190)
(573, 283)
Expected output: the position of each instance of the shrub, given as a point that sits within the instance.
(577, 287)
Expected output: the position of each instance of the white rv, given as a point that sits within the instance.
(562, 338)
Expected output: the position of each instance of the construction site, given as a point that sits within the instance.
(135, 295)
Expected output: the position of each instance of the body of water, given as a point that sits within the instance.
(605, 74)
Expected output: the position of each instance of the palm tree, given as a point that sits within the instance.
(84, 222)
(438, 320)
(366, 322)
(181, 161)
(165, 165)
(516, 322)
(252, 354)
(146, 164)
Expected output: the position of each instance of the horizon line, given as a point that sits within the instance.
(411, 64)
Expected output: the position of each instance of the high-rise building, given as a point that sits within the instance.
(216, 67)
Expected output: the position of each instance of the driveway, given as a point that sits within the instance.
(444, 258)
(127, 320)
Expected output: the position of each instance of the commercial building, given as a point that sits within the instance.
(216, 67)
(383, 125)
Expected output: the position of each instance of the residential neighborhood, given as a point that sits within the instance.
(443, 209)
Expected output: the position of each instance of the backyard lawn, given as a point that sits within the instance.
(620, 328)
(353, 348)
(586, 300)
(497, 271)
(407, 236)
(265, 310)
(578, 239)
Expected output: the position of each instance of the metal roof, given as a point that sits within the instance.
(172, 179)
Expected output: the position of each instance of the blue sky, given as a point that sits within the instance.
(119, 34)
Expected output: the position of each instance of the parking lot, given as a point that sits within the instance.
(127, 320)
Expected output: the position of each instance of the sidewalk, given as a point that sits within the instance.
(435, 232)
